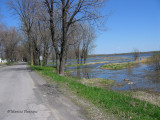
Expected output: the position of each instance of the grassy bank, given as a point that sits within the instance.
(117, 66)
(125, 107)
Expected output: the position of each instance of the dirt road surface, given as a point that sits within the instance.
(26, 96)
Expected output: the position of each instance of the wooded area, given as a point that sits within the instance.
(55, 29)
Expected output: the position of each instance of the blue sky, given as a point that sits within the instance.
(7, 16)
(132, 24)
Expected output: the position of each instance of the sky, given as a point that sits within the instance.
(132, 24)
(7, 16)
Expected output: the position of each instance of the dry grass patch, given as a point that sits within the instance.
(117, 66)
(153, 98)
(98, 82)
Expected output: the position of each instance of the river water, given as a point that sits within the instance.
(141, 76)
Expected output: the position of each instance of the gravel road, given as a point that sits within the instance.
(26, 96)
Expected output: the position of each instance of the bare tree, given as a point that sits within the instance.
(25, 9)
(36, 43)
(24, 55)
(83, 37)
(44, 33)
(2, 29)
(70, 12)
(88, 42)
(35, 27)
(154, 62)
(62, 17)
(75, 41)
(136, 54)
(10, 41)
(1, 46)
(54, 19)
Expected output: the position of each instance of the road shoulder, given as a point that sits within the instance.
(87, 109)
(62, 107)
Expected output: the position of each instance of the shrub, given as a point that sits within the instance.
(155, 62)
(29, 63)
(136, 54)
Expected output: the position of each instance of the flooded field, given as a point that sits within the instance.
(140, 76)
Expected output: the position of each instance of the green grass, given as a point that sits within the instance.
(10, 63)
(7, 63)
(125, 107)
(117, 66)
(51, 63)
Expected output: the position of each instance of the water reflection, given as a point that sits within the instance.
(140, 75)
(82, 73)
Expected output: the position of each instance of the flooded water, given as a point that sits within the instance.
(139, 77)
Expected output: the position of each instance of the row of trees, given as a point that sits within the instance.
(9, 43)
(82, 42)
(61, 27)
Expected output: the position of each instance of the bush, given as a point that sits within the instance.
(7, 63)
(155, 62)
(29, 63)
(136, 54)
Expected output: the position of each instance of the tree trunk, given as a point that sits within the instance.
(62, 65)
(30, 48)
(45, 54)
(57, 63)
(78, 55)
(64, 39)
(85, 55)
(32, 61)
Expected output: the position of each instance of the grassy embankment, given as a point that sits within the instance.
(114, 102)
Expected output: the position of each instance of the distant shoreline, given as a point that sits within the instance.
(92, 55)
